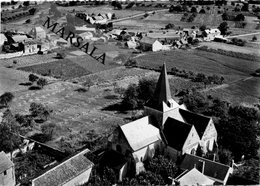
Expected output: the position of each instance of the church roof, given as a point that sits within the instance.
(212, 169)
(162, 91)
(200, 122)
(194, 177)
(65, 171)
(176, 133)
(140, 133)
(5, 162)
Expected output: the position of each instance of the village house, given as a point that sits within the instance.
(137, 140)
(2, 40)
(86, 35)
(150, 44)
(211, 34)
(192, 177)
(162, 107)
(72, 172)
(30, 47)
(7, 174)
(215, 171)
(38, 33)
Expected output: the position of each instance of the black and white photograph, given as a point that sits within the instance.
(129, 92)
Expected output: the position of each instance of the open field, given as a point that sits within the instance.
(234, 70)
(64, 69)
(10, 80)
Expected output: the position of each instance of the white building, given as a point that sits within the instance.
(38, 33)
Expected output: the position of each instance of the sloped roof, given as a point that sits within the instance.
(148, 40)
(200, 122)
(65, 171)
(194, 177)
(39, 29)
(140, 133)
(5, 162)
(162, 91)
(19, 38)
(176, 133)
(212, 169)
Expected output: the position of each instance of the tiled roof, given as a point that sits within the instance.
(176, 133)
(194, 177)
(140, 133)
(65, 171)
(200, 122)
(5, 162)
(212, 169)
(148, 40)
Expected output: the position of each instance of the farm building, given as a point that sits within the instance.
(193, 177)
(19, 38)
(7, 175)
(30, 47)
(86, 35)
(2, 39)
(150, 44)
(38, 33)
(137, 141)
(73, 171)
(211, 34)
(216, 171)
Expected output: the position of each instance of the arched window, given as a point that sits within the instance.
(193, 151)
(208, 143)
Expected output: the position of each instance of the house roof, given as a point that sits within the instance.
(65, 171)
(2, 38)
(212, 169)
(194, 177)
(19, 38)
(148, 40)
(140, 133)
(200, 122)
(176, 133)
(39, 29)
(5, 162)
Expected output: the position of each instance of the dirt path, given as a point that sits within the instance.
(243, 35)
(137, 15)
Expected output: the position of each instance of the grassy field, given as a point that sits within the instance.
(232, 69)
(63, 69)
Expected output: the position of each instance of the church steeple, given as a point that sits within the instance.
(162, 92)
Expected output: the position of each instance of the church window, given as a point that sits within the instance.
(193, 151)
(5, 173)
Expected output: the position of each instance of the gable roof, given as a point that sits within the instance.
(194, 177)
(176, 133)
(162, 91)
(148, 40)
(140, 133)
(65, 171)
(5, 162)
(212, 169)
(200, 122)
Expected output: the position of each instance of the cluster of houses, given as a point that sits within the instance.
(95, 19)
(163, 40)
(166, 127)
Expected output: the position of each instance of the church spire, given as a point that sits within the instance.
(162, 92)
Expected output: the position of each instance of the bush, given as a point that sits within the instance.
(202, 11)
(254, 38)
(240, 17)
(238, 42)
(193, 10)
(131, 62)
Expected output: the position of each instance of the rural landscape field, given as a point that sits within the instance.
(73, 74)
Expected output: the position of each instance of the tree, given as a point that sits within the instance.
(240, 17)
(42, 82)
(223, 27)
(193, 10)
(202, 11)
(32, 11)
(6, 98)
(225, 156)
(203, 28)
(162, 167)
(48, 130)
(254, 38)
(33, 78)
(26, 3)
(39, 110)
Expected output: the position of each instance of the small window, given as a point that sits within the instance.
(5, 173)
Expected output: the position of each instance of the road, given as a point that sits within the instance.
(137, 15)
(243, 35)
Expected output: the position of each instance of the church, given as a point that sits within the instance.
(166, 126)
